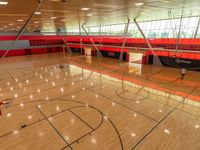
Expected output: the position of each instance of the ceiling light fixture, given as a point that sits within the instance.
(3, 3)
(139, 4)
(20, 20)
(38, 12)
(85, 8)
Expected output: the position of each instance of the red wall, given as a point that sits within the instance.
(170, 43)
(104, 39)
(183, 44)
(20, 52)
(175, 54)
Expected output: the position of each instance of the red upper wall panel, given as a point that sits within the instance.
(169, 43)
(7, 38)
(105, 39)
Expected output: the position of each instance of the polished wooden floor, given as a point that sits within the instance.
(62, 102)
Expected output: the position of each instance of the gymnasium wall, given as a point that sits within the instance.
(188, 48)
(30, 51)
(22, 44)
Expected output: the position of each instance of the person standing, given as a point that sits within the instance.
(183, 71)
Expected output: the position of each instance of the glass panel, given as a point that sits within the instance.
(152, 29)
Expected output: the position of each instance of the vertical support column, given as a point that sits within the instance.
(63, 50)
(81, 46)
(179, 33)
(124, 42)
(98, 52)
(40, 2)
(66, 44)
(197, 29)
(100, 33)
(148, 43)
(58, 33)
(79, 25)
(100, 29)
(68, 48)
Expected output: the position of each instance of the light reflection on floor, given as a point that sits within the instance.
(73, 102)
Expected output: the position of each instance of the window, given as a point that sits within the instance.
(152, 29)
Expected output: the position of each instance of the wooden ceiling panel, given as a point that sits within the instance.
(68, 14)
(18, 7)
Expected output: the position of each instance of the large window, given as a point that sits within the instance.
(171, 28)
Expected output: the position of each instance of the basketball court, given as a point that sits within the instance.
(83, 90)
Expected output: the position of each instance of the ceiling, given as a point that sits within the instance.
(68, 14)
